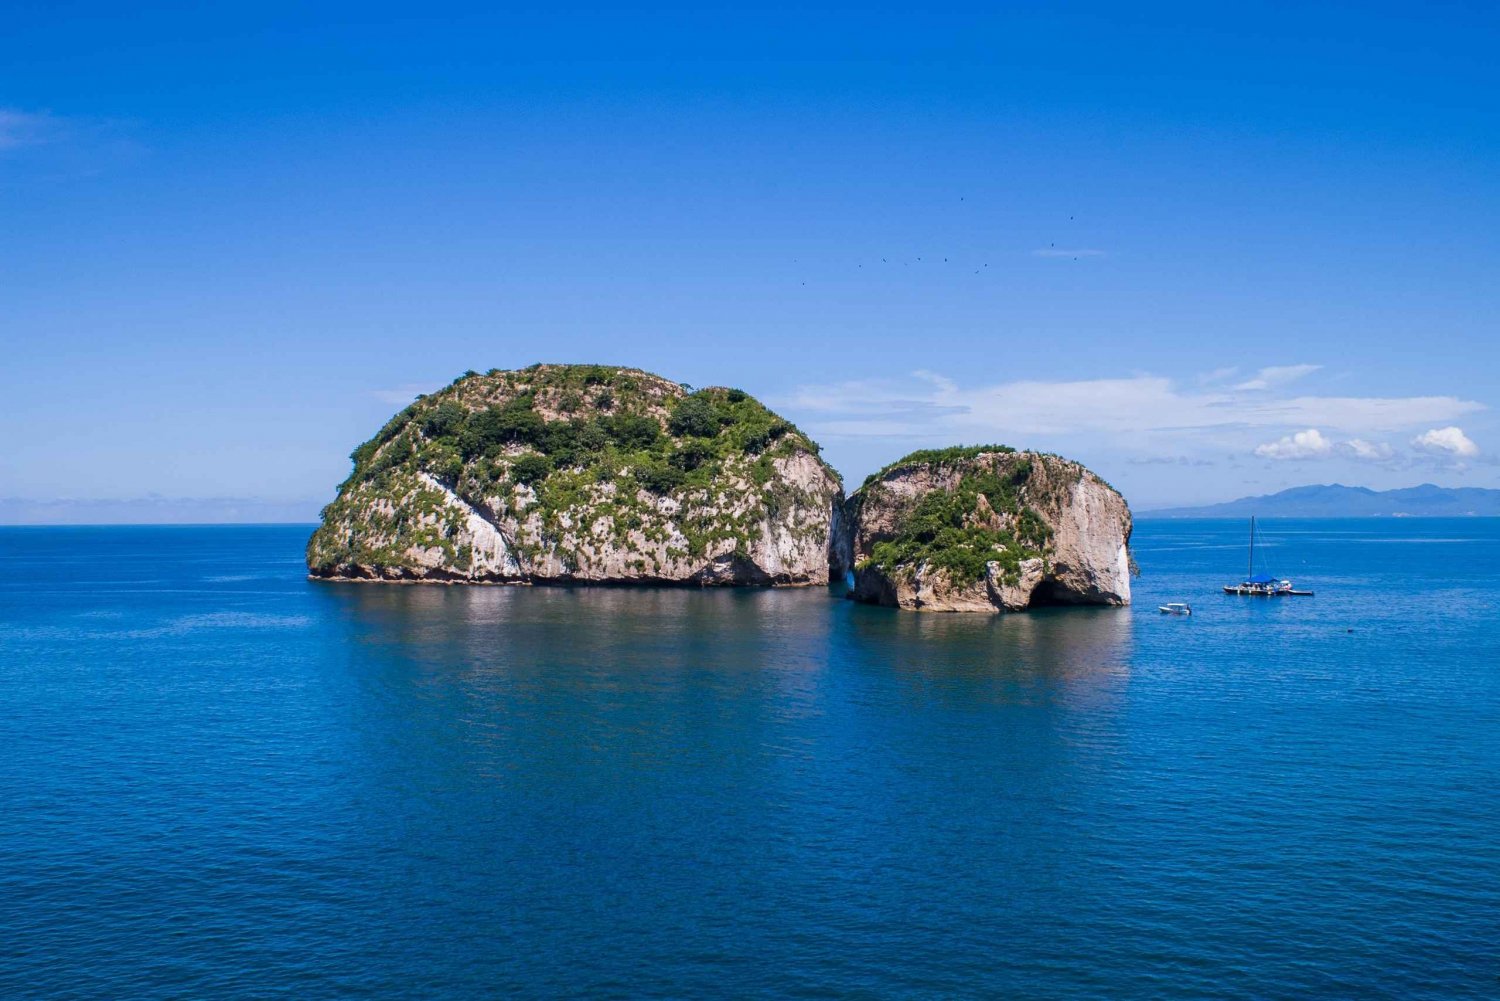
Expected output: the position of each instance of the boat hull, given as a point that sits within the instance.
(1264, 586)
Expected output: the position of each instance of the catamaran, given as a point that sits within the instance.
(1263, 585)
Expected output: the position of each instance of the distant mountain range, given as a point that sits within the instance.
(1337, 501)
(155, 510)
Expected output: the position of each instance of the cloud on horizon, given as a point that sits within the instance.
(1369, 451)
(1448, 443)
(1309, 444)
(929, 405)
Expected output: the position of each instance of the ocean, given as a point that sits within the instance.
(221, 780)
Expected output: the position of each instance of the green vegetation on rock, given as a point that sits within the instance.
(983, 518)
(936, 457)
(572, 458)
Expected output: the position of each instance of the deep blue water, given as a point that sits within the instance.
(218, 779)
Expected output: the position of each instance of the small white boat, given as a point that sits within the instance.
(1176, 608)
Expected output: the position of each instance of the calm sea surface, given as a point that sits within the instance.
(220, 780)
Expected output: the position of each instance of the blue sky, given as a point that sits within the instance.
(1208, 252)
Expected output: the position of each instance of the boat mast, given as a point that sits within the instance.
(1251, 572)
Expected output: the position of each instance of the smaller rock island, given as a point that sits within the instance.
(985, 529)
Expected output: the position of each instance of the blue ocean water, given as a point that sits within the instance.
(221, 780)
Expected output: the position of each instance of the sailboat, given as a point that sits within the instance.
(1263, 585)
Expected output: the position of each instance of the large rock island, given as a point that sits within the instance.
(559, 473)
(985, 529)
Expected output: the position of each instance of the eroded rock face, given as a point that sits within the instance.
(985, 529)
(561, 473)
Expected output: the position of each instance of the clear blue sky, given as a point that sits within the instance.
(1208, 250)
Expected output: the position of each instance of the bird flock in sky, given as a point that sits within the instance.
(1051, 251)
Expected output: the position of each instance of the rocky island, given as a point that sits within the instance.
(598, 474)
(985, 528)
(582, 473)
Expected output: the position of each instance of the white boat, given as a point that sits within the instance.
(1176, 608)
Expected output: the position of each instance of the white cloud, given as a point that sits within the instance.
(932, 406)
(1309, 444)
(1060, 252)
(402, 395)
(1217, 375)
(1368, 451)
(24, 128)
(1449, 442)
(63, 147)
(1277, 375)
(1169, 460)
